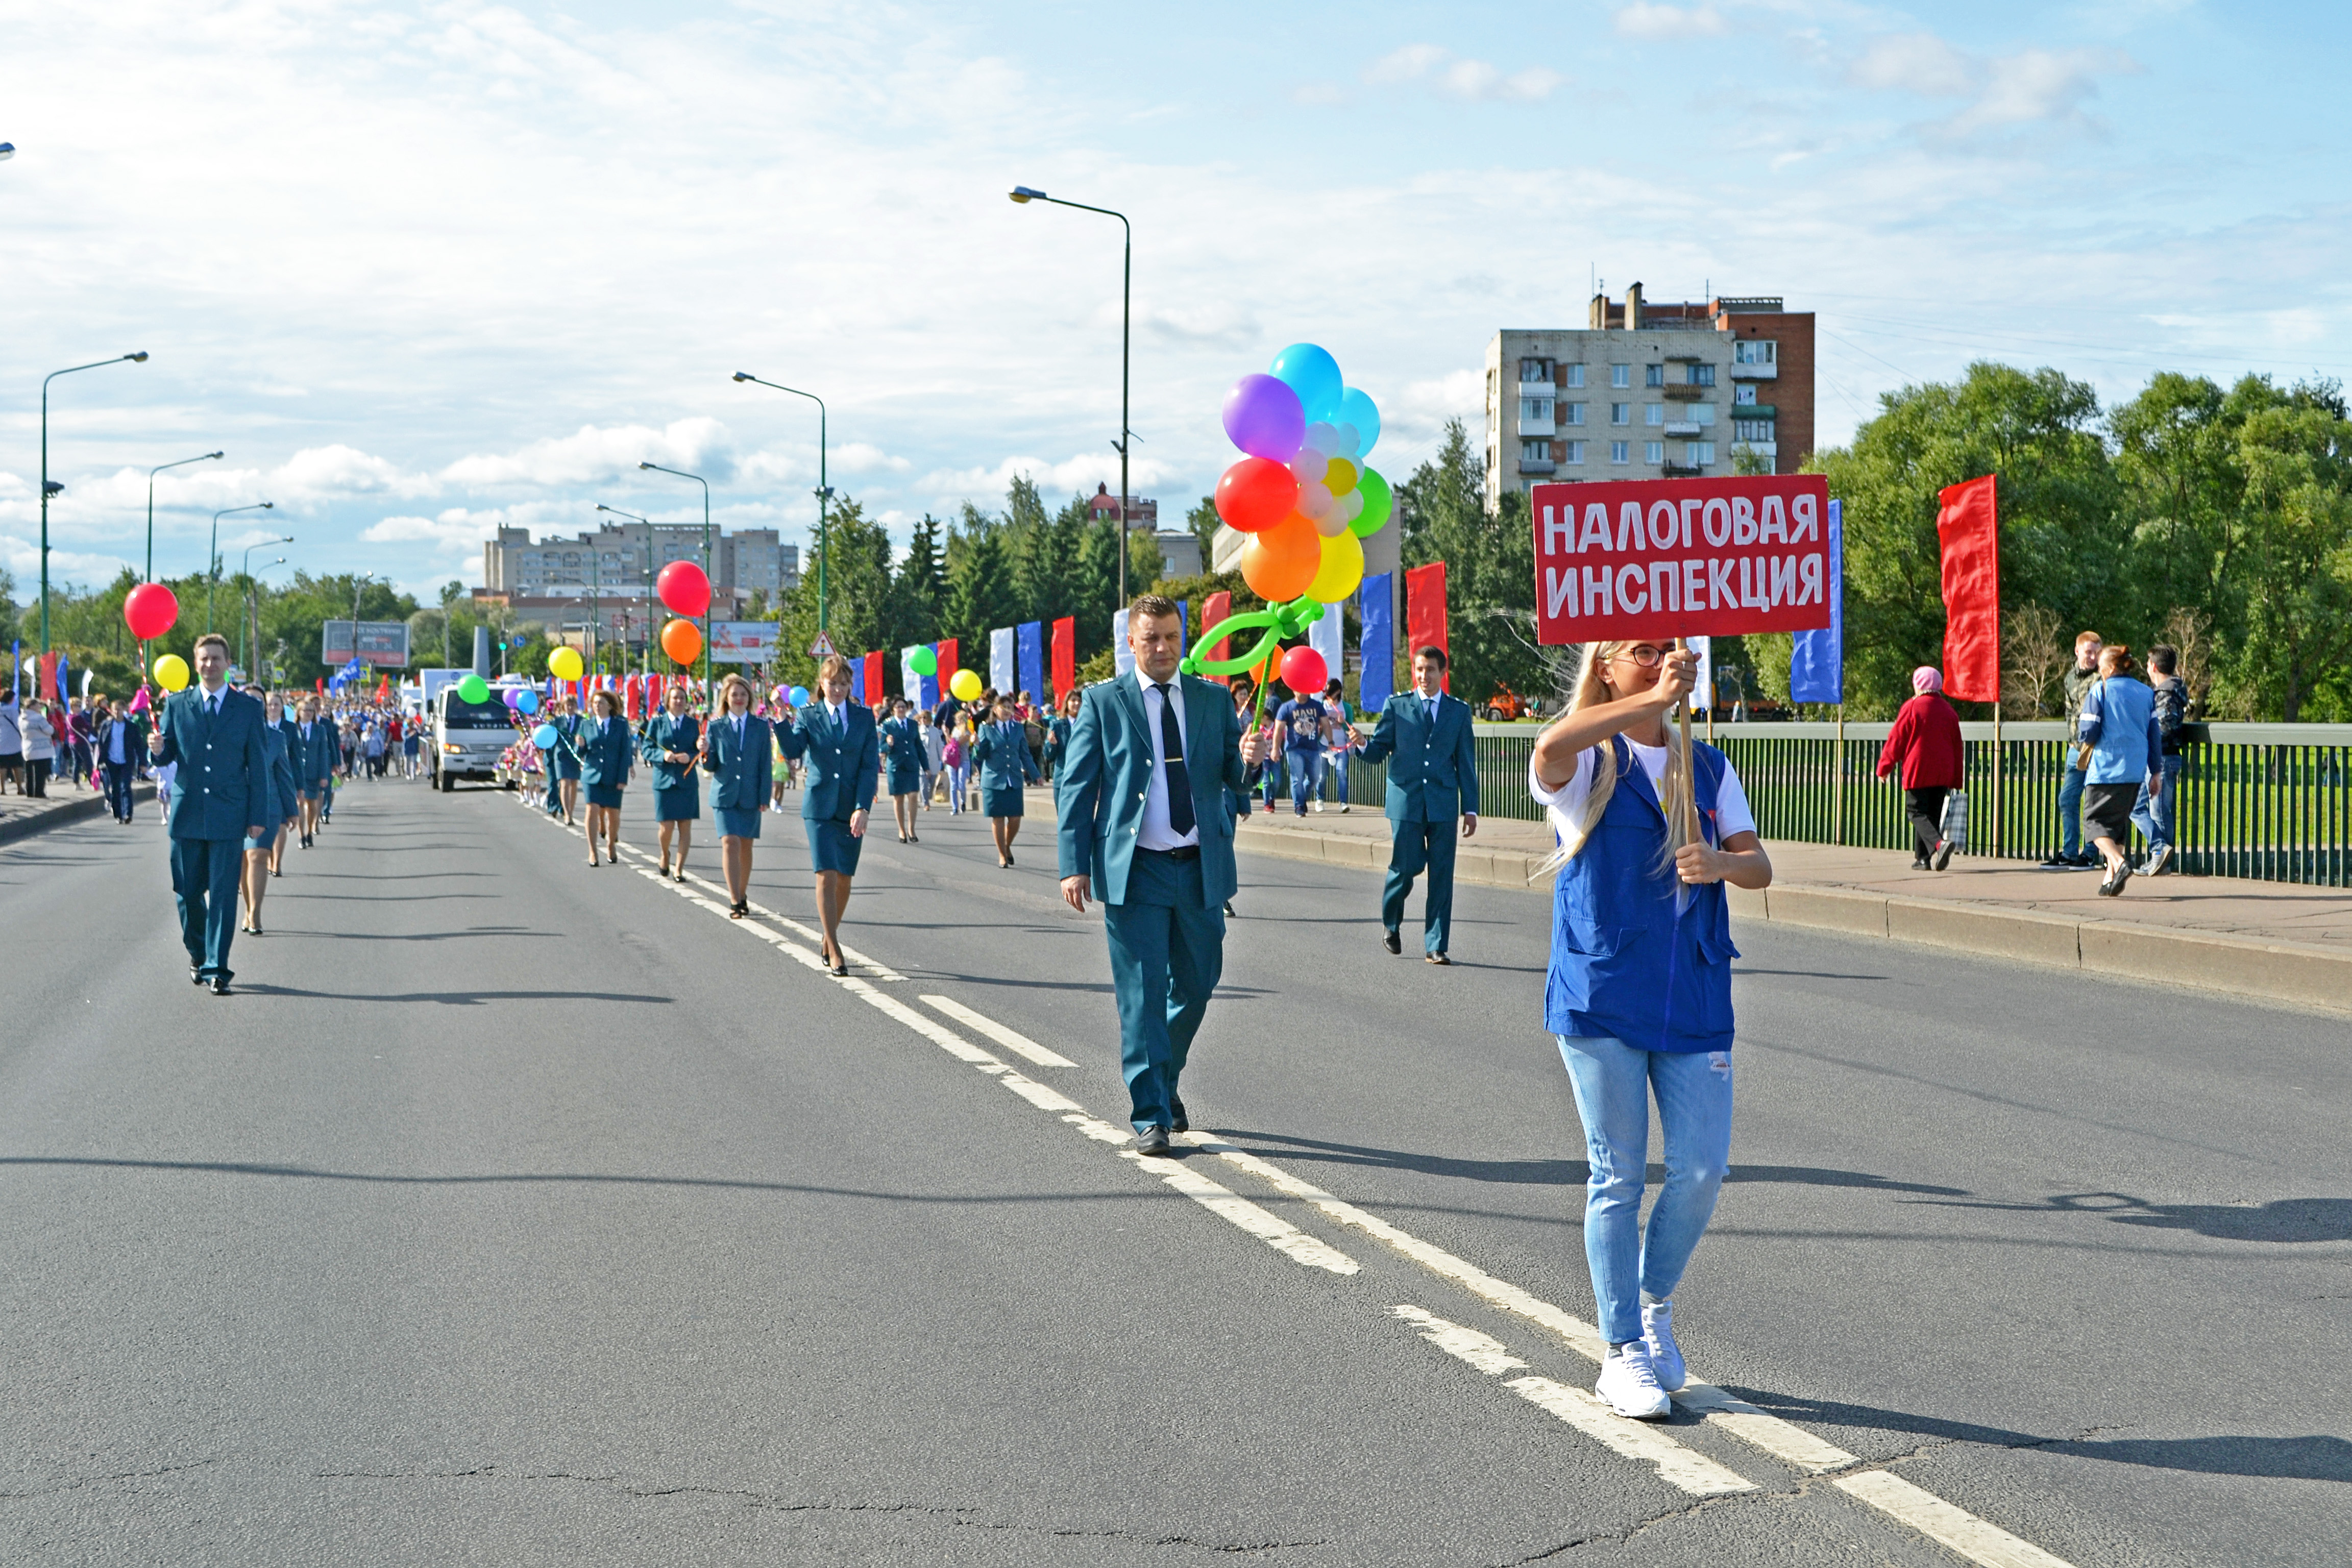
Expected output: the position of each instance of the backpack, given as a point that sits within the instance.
(952, 752)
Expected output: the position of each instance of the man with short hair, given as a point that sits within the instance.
(2153, 815)
(1432, 780)
(220, 796)
(1140, 795)
(121, 753)
(2071, 854)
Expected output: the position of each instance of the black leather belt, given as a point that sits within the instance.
(1181, 854)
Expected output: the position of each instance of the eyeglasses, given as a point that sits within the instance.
(1644, 655)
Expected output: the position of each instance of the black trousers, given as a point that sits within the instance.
(1925, 807)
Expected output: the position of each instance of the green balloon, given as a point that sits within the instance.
(474, 688)
(925, 660)
(1378, 501)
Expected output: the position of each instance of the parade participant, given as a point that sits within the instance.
(1144, 806)
(605, 753)
(565, 771)
(902, 759)
(281, 801)
(289, 800)
(121, 751)
(845, 760)
(220, 794)
(1639, 993)
(934, 742)
(739, 752)
(1057, 734)
(1432, 780)
(315, 756)
(1002, 750)
(673, 739)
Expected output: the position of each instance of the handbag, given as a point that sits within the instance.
(1955, 819)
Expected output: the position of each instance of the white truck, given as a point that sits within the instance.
(469, 738)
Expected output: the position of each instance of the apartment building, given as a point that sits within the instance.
(619, 556)
(1650, 391)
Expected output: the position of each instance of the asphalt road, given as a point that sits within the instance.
(516, 1213)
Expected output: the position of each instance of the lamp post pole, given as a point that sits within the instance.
(824, 489)
(356, 589)
(253, 598)
(707, 673)
(1023, 194)
(47, 490)
(208, 457)
(212, 558)
(632, 517)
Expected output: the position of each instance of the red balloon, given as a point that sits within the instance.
(684, 588)
(1303, 672)
(150, 611)
(1256, 493)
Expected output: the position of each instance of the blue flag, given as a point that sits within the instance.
(1029, 658)
(1376, 608)
(1817, 662)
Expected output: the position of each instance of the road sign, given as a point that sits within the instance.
(822, 648)
(742, 642)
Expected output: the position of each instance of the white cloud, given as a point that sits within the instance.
(1471, 80)
(455, 532)
(985, 487)
(2033, 85)
(1914, 62)
(1644, 20)
(601, 452)
(1408, 64)
(859, 457)
(340, 471)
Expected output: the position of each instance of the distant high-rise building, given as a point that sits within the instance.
(619, 556)
(1650, 391)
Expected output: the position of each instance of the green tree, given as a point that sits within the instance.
(857, 595)
(2297, 556)
(1490, 583)
(918, 589)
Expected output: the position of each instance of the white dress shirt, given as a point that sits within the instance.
(1157, 834)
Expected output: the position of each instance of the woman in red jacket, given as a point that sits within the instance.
(1926, 745)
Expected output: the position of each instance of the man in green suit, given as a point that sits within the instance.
(220, 797)
(1141, 797)
(1425, 738)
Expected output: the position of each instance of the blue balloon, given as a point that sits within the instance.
(527, 702)
(545, 737)
(1357, 408)
(797, 696)
(1314, 375)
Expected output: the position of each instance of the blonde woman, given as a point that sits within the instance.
(1639, 993)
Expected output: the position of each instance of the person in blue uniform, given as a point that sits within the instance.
(739, 753)
(262, 853)
(844, 762)
(1057, 734)
(1144, 806)
(605, 753)
(563, 773)
(1638, 997)
(1425, 738)
(903, 759)
(1002, 749)
(316, 757)
(672, 744)
(285, 715)
(212, 735)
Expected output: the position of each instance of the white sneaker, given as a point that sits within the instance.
(1317, 805)
(1665, 1356)
(1343, 809)
(1629, 1384)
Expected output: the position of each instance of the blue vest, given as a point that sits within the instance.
(1622, 963)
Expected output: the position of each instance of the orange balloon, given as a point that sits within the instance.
(1280, 562)
(682, 640)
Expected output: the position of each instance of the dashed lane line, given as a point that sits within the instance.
(1939, 1520)
(1012, 1040)
(873, 966)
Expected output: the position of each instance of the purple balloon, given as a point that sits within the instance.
(1264, 418)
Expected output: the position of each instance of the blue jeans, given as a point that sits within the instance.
(1613, 1082)
(1274, 781)
(2070, 812)
(2154, 817)
(118, 788)
(1306, 775)
(1336, 765)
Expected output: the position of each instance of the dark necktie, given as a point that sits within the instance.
(1172, 746)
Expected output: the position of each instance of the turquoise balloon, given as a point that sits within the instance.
(1314, 375)
(545, 737)
(1357, 408)
(527, 702)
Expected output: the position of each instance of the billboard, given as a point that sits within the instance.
(383, 644)
(743, 642)
(1682, 557)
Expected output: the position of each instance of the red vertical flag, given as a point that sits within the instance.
(1066, 659)
(1214, 608)
(946, 650)
(1425, 612)
(874, 677)
(1969, 526)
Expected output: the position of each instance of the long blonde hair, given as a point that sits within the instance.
(1675, 791)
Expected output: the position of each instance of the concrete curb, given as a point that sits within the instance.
(2307, 975)
(27, 823)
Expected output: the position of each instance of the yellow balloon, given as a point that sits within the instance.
(965, 686)
(172, 672)
(1341, 476)
(565, 664)
(1342, 569)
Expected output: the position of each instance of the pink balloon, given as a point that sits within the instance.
(1264, 418)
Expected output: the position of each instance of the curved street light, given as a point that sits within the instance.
(212, 561)
(206, 457)
(707, 682)
(48, 490)
(824, 489)
(253, 598)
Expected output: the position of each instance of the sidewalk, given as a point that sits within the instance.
(2272, 939)
(21, 814)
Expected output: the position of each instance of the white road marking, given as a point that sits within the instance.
(1279, 1233)
(880, 971)
(1676, 1466)
(1956, 1527)
(1012, 1040)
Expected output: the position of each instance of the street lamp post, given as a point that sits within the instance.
(707, 681)
(632, 517)
(824, 489)
(1023, 194)
(208, 457)
(48, 490)
(252, 596)
(212, 557)
(357, 588)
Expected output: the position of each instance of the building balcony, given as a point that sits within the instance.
(1762, 448)
(1686, 427)
(1535, 389)
(1683, 470)
(1688, 393)
(1538, 466)
(1753, 411)
(1754, 373)
(1535, 429)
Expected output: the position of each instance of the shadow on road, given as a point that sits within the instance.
(2282, 1219)
(1556, 1172)
(458, 998)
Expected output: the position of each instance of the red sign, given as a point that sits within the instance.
(1681, 557)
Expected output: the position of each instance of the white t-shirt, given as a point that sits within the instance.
(1565, 805)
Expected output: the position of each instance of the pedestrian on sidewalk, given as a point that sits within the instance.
(2152, 812)
(12, 741)
(957, 753)
(1424, 736)
(1924, 745)
(1298, 736)
(1340, 740)
(739, 752)
(1639, 992)
(901, 739)
(1143, 808)
(2118, 729)
(1002, 750)
(934, 743)
(844, 762)
(212, 736)
(2070, 852)
(606, 755)
(672, 744)
(41, 748)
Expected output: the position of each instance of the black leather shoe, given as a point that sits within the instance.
(195, 975)
(2117, 877)
(1393, 942)
(1179, 1123)
(1151, 1140)
(220, 984)
(1437, 958)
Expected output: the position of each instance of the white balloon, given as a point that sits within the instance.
(1310, 465)
(1350, 507)
(1323, 437)
(1351, 441)
(1332, 524)
(1314, 500)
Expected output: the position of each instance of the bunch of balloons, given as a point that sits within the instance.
(1302, 490)
(686, 591)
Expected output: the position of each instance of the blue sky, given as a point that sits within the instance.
(424, 269)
